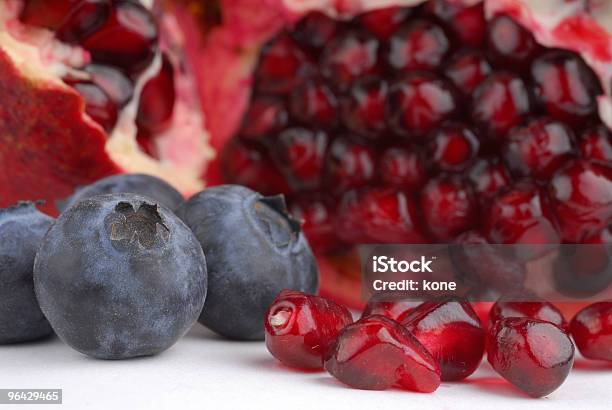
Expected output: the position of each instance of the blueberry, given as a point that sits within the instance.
(22, 227)
(120, 276)
(253, 250)
(141, 184)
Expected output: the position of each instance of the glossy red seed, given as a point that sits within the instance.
(363, 109)
(392, 309)
(467, 69)
(402, 167)
(300, 154)
(510, 45)
(592, 331)
(300, 329)
(468, 22)
(378, 215)
(584, 270)
(418, 103)
(448, 207)
(156, 103)
(538, 148)
(539, 310)
(487, 177)
(114, 83)
(45, 13)
(420, 45)
(83, 19)
(349, 164)
(596, 144)
(266, 116)
(384, 22)
(533, 355)
(581, 194)
(500, 103)
(318, 216)
(377, 353)
(128, 38)
(566, 86)
(98, 104)
(314, 104)
(453, 147)
(315, 30)
(451, 332)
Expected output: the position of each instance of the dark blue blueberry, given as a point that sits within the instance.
(253, 250)
(22, 227)
(141, 184)
(120, 276)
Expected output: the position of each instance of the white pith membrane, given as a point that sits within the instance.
(183, 147)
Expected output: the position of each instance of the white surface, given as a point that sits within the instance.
(205, 372)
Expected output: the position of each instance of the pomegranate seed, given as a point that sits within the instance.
(544, 311)
(364, 108)
(128, 38)
(384, 22)
(467, 70)
(509, 44)
(45, 13)
(313, 103)
(392, 309)
(300, 153)
(596, 144)
(349, 164)
(318, 218)
(420, 45)
(581, 195)
(378, 215)
(453, 147)
(418, 103)
(114, 83)
(468, 22)
(248, 164)
(266, 116)
(84, 19)
(488, 176)
(500, 103)
(315, 30)
(448, 207)
(157, 100)
(452, 333)
(538, 148)
(592, 331)
(376, 353)
(98, 104)
(301, 328)
(533, 355)
(565, 86)
(282, 66)
(402, 168)
(520, 214)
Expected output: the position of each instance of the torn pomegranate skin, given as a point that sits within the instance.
(452, 333)
(534, 355)
(377, 353)
(540, 310)
(301, 328)
(592, 331)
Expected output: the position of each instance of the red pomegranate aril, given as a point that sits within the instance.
(363, 109)
(300, 154)
(378, 215)
(451, 331)
(402, 167)
(540, 310)
(384, 22)
(418, 103)
(500, 103)
(283, 65)
(487, 177)
(318, 216)
(509, 44)
(448, 206)
(246, 163)
(128, 38)
(520, 214)
(467, 69)
(349, 57)
(85, 18)
(349, 164)
(315, 30)
(596, 144)
(453, 147)
(266, 116)
(392, 309)
(314, 104)
(468, 22)
(114, 83)
(592, 331)
(533, 355)
(156, 102)
(584, 270)
(565, 86)
(45, 13)
(98, 104)
(420, 45)
(376, 353)
(581, 194)
(538, 148)
(300, 329)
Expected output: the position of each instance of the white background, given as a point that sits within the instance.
(204, 372)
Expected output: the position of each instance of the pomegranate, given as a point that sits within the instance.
(592, 330)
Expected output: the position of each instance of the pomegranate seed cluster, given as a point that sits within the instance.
(412, 346)
(415, 125)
